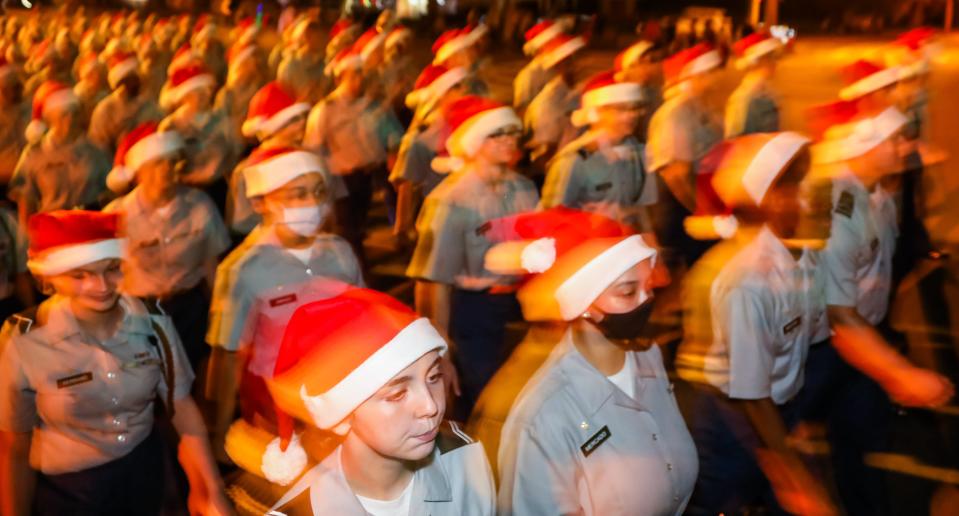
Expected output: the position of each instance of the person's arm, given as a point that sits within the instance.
(206, 487)
(223, 383)
(864, 348)
(17, 478)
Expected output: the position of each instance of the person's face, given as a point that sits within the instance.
(501, 147)
(92, 287)
(815, 203)
(783, 202)
(402, 419)
(304, 191)
(619, 120)
(159, 176)
(352, 81)
(199, 99)
(630, 290)
(292, 133)
(61, 120)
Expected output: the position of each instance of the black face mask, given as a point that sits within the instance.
(626, 326)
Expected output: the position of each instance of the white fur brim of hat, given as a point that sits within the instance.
(565, 50)
(451, 47)
(174, 95)
(702, 64)
(848, 141)
(68, 257)
(181, 61)
(55, 102)
(437, 88)
(272, 174)
(149, 148)
(241, 56)
(398, 37)
(468, 137)
(374, 43)
(769, 162)
(634, 53)
(351, 62)
(875, 82)
(757, 51)
(613, 94)
(121, 70)
(330, 409)
(261, 126)
(533, 45)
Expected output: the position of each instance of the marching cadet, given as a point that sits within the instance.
(455, 48)
(599, 413)
(532, 77)
(245, 77)
(547, 119)
(302, 72)
(681, 132)
(80, 374)
(206, 44)
(871, 86)
(261, 282)
(43, 65)
(397, 71)
(14, 117)
(277, 121)
(174, 234)
(90, 87)
(356, 137)
(210, 144)
(153, 64)
(436, 88)
(126, 107)
(753, 107)
(397, 455)
(748, 323)
(603, 171)
(859, 152)
(453, 289)
(60, 168)
(639, 63)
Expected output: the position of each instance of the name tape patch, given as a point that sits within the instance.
(282, 300)
(76, 379)
(792, 325)
(595, 441)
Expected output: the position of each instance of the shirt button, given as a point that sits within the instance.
(122, 438)
(655, 437)
(115, 401)
(116, 421)
(669, 467)
(309, 271)
(111, 375)
(675, 498)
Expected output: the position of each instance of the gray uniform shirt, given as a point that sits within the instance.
(86, 402)
(115, 116)
(680, 130)
(528, 82)
(752, 108)
(60, 177)
(574, 443)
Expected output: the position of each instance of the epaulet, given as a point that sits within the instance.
(152, 305)
(845, 204)
(451, 437)
(24, 321)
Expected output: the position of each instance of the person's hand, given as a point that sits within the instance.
(796, 490)
(449, 374)
(203, 503)
(917, 387)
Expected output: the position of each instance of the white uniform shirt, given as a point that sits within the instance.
(858, 256)
(751, 341)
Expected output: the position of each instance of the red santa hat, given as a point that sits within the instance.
(64, 240)
(602, 90)
(752, 48)
(560, 48)
(335, 354)
(183, 57)
(51, 96)
(41, 54)
(141, 145)
(399, 35)
(271, 109)
(691, 62)
(239, 54)
(567, 257)
(268, 169)
(204, 27)
(863, 77)
(344, 28)
(451, 42)
(247, 30)
(852, 135)
(432, 83)
(121, 66)
(346, 59)
(540, 34)
(183, 82)
(632, 55)
(369, 42)
(912, 52)
(471, 119)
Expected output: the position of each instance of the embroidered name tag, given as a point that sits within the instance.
(482, 230)
(792, 325)
(76, 379)
(603, 187)
(282, 300)
(845, 205)
(595, 441)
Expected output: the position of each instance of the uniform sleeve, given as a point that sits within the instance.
(440, 250)
(18, 409)
(540, 479)
(182, 372)
(314, 138)
(231, 304)
(217, 236)
(839, 262)
(563, 185)
(100, 126)
(668, 141)
(740, 321)
(650, 193)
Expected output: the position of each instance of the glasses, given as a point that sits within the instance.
(512, 132)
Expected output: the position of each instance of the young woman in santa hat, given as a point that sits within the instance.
(80, 376)
(596, 430)
(364, 366)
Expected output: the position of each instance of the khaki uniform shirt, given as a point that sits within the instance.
(60, 177)
(86, 402)
(169, 249)
(210, 146)
(547, 119)
(351, 134)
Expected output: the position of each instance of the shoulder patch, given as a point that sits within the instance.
(24, 321)
(451, 437)
(846, 204)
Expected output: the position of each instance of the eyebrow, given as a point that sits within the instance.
(406, 378)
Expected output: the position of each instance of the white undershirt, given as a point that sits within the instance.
(301, 254)
(396, 507)
(625, 379)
